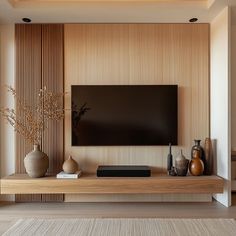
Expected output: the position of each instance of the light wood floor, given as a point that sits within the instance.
(10, 212)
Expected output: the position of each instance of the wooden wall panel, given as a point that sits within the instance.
(39, 62)
(53, 79)
(140, 54)
(28, 83)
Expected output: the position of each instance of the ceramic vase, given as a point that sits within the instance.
(196, 166)
(36, 163)
(70, 166)
(169, 160)
(209, 157)
(197, 146)
(181, 165)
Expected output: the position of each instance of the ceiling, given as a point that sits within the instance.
(112, 11)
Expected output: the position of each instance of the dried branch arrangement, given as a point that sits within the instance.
(31, 121)
(77, 114)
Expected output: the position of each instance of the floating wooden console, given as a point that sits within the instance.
(90, 184)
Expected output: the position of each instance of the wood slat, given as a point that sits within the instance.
(39, 62)
(28, 83)
(53, 79)
(90, 184)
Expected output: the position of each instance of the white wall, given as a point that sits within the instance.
(233, 86)
(233, 90)
(220, 99)
(7, 135)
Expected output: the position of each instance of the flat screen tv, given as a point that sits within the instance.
(121, 115)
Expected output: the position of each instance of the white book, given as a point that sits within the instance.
(63, 175)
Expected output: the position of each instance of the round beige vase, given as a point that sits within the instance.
(70, 166)
(36, 163)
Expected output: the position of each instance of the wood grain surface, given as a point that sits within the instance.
(39, 63)
(53, 79)
(132, 54)
(87, 184)
(28, 82)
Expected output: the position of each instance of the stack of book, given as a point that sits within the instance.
(63, 175)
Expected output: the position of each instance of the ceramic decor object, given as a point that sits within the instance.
(196, 166)
(181, 165)
(70, 166)
(169, 159)
(209, 157)
(36, 163)
(197, 146)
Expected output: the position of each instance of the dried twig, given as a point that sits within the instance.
(30, 121)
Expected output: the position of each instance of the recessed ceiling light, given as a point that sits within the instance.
(26, 20)
(192, 20)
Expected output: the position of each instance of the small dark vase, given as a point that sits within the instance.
(209, 156)
(197, 146)
(169, 160)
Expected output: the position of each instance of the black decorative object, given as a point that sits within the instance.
(123, 171)
(169, 159)
(197, 146)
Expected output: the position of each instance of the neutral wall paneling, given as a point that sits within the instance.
(39, 62)
(140, 54)
(28, 83)
(53, 79)
(200, 86)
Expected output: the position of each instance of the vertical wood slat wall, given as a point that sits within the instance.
(28, 82)
(52, 78)
(39, 62)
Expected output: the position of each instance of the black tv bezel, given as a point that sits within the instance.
(119, 145)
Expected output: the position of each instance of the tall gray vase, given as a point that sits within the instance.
(36, 163)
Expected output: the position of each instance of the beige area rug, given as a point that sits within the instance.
(123, 227)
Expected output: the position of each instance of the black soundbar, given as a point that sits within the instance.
(123, 171)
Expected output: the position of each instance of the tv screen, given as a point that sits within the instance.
(119, 115)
